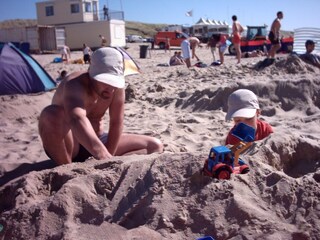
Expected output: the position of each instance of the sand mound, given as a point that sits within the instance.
(175, 201)
(164, 196)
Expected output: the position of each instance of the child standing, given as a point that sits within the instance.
(222, 47)
(243, 106)
(212, 43)
(65, 53)
(86, 53)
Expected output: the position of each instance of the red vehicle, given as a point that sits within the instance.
(175, 39)
(257, 39)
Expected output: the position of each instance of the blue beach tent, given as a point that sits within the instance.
(20, 73)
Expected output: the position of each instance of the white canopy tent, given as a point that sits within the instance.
(206, 27)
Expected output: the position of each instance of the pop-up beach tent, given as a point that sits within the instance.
(20, 73)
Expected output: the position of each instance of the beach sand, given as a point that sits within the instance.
(164, 196)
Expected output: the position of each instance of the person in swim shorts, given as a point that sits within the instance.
(212, 44)
(274, 36)
(222, 46)
(72, 127)
(237, 29)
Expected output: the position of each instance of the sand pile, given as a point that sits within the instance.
(164, 196)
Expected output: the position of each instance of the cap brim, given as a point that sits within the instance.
(113, 80)
(245, 113)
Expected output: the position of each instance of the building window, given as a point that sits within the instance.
(49, 11)
(75, 8)
(94, 6)
(87, 6)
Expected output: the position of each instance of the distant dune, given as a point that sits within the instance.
(137, 28)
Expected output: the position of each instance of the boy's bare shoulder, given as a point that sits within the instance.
(77, 74)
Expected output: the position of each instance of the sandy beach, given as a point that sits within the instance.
(164, 196)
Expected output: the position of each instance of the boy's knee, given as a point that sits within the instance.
(155, 145)
(50, 118)
(51, 113)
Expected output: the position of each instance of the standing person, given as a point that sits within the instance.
(194, 43)
(71, 128)
(152, 42)
(237, 29)
(167, 47)
(86, 53)
(105, 12)
(186, 46)
(103, 41)
(274, 36)
(65, 53)
(222, 45)
(212, 44)
(186, 53)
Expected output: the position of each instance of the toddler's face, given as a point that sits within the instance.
(249, 121)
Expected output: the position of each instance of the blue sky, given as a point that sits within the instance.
(297, 13)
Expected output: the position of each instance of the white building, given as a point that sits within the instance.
(83, 22)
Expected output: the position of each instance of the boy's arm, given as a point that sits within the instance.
(116, 114)
(81, 127)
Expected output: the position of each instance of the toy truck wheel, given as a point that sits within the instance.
(244, 169)
(223, 173)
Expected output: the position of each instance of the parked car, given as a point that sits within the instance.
(175, 39)
(135, 38)
(150, 39)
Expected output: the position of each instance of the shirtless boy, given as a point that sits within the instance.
(71, 128)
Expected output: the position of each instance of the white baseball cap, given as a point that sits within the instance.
(242, 103)
(107, 66)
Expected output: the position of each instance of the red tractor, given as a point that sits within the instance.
(257, 39)
(224, 160)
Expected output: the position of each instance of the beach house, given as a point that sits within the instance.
(83, 22)
(68, 22)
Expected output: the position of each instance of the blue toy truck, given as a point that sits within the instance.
(224, 160)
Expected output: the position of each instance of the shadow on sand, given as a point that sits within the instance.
(26, 168)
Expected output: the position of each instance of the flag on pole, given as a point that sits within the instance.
(189, 14)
